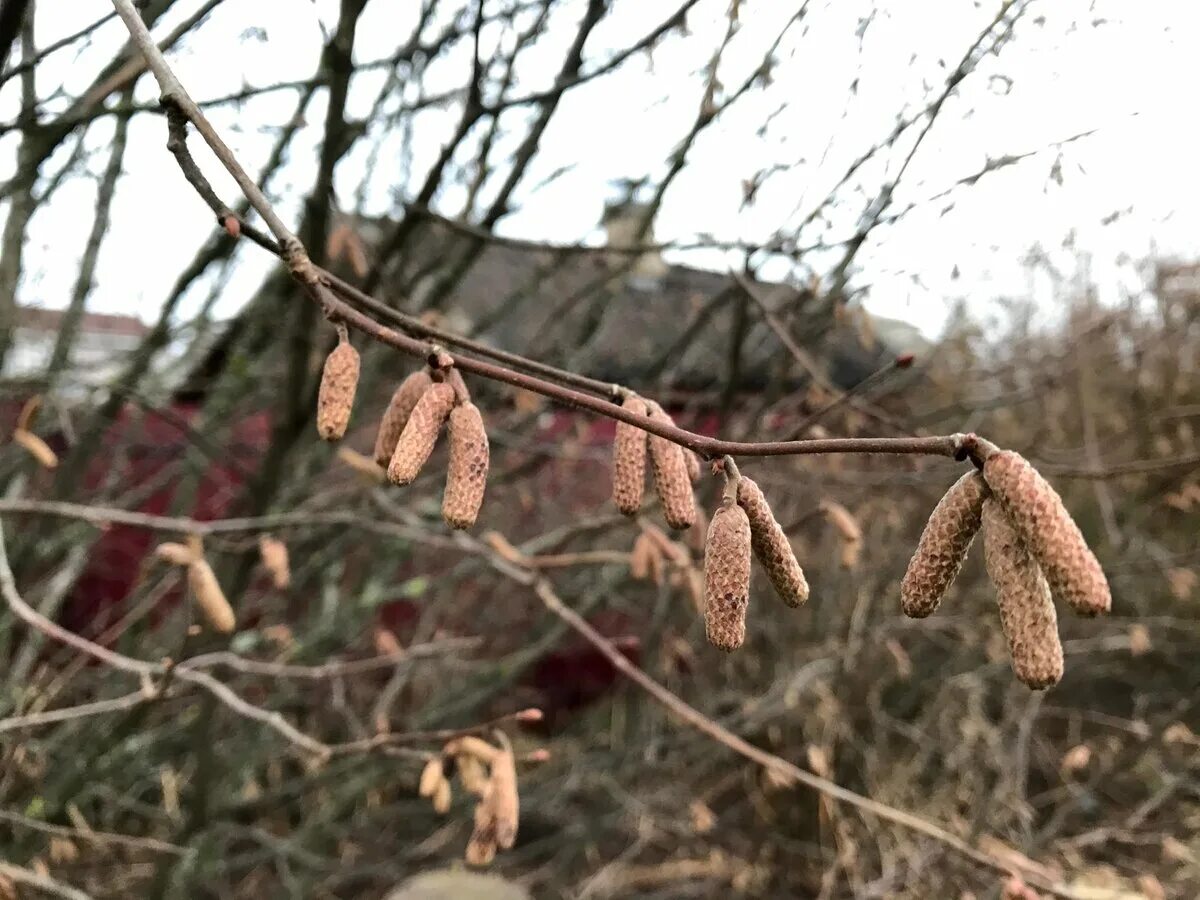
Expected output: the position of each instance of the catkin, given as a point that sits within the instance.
(37, 448)
(339, 381)
(209, 596)
(943, 546)
(1026, 609)
(421, 433)
(1043, 523)
(503, 799)
(274, 555)
(431, 776)
(629, 460)
(395, 417)
(727, 577)
(466, 477)
(694, 467)
(671, 477)
(771, 546)
(175, 554)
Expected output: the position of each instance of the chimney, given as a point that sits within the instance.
(624, 222)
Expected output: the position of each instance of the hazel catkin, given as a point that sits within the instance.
(420, 433)
(771, 546)
(629, 460)
(1026, 609)
(335, 398)
(466, 478)
(671, 478)
(274, 555)
(1043, 523)
(395, 417)
(943, 546)
(727, 577)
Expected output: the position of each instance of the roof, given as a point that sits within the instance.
(39, 319)
(582, 310)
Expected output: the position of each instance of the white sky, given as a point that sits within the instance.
(1131, 78)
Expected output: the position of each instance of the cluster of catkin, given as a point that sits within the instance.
(744, 526)
(674, 467)
(488, 772)
(421, 405)
(210, 598)
(1033, 551)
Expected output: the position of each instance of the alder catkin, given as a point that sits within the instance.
(274, 555)
(209, 596)
(629, 460)
(395, 417)
(1026, 609)
(431, 776)
(771, 546)
(37, 448)
(175, 554)
(943, 546)
(466, 477)
(727, 577)
(420, 433)
(503, 799)
(671, 477)
(1043, 523)
(694, 467)
(339, 381)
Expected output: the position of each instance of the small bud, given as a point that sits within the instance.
(339, 381)
(1047, 529)
(421, 433)
(771, 546)
(532, 714)
(727, 577)
(671, 477)
(1026, 609)
(629, 460)
(233, 227)
(466, 478)
(395, 417)
(943, 546)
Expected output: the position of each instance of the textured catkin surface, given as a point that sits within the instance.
(421, 433)
(1026, 609)
(629, 461)
(671, 478)
(395, 417)
(943, 546)
(771, 546)
(1042, 521)
(727, 577)
(335, 397)
(209, 597)
(466, 478)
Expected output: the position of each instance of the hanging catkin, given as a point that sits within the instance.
(339, 381)
(629, 460)
(466, 478)
(209, 597)
(671, 477)
(943, 546)
(727, 576)
(274, 555)
(771, 546)
(1026, 609)
(421, 433)
(395, 417)
(1043, 523)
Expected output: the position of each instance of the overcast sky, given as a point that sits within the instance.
(1124, 70)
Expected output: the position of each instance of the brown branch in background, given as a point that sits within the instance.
(42, 882)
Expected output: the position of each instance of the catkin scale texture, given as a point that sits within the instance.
(671, 478)
(395, 417)
(466, 478)
(421, 433)
(629, 460)
(1043, 523)
(727, 577)
(944, 543)
(771, 546)
(335, 398)
(1026, 608)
